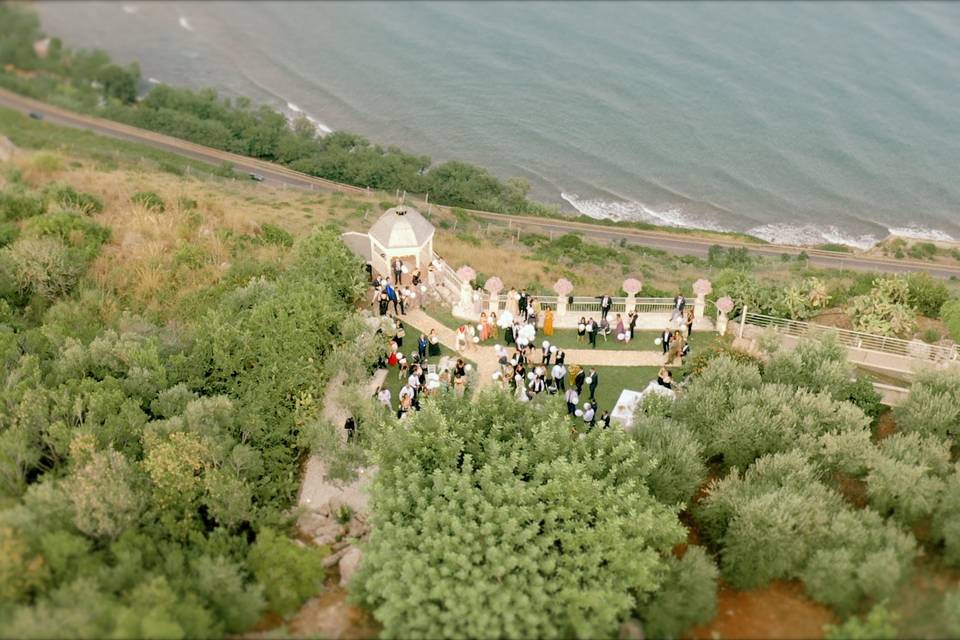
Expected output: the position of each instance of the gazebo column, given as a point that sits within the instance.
(495, 302)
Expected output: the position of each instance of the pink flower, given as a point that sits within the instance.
(465, 273)
(632, 286)
(563, 287)
(702, 287)
(725, 304)
(494, 285)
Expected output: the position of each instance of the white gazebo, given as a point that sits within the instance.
(401, 232)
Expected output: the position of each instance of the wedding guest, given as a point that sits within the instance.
(589, 415)
(559, 373)
(397, 270)
(572, 398)
(383, 300)
(433, 350)
(633, 325)
(679, 304)
(383, 396)
(535, 310)
(548, 322)
(579, 379)
(422, 347)
(620, 331)
(594, 381)
(392, 296)
(604, 329)
(582, 330)
(400, 334)
(605, 303)
(484, 326)
(605, 419)
(560, 356)
(592, 330)
(689, 323)
(665, 340)
(545, 355)
(664, 379)
(416, 278)
(522, 304)
(513, 302)
(461, 337)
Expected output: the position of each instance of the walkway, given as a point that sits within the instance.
(486, 359)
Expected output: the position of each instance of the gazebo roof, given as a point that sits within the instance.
(401, 226)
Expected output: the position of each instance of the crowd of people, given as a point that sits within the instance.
(525, 371)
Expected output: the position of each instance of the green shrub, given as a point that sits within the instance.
(76, 231)
(289, 573)
(149, 200)
(926, 294)
(922, 250)
(69, 198)
(933, 406)
(457, 477)
(886, 310)
(906, 477)
(950, 313)
(878, 624)
(225, 170)
(687, 596)
(946, 519)
(17, 204)
(43, 266)
(680, 470)
(9, 232)
(272, 234)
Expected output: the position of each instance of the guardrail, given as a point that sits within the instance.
(915, 349)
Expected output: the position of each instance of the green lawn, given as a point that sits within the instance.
(567, 338)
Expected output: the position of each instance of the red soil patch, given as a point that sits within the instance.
(330, 616)
(781, 610)
(886, 426)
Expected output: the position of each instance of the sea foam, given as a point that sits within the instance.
(810, 234)
(917, 232)
(321, 128)
(638, 212)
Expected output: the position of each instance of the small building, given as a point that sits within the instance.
(401, 232)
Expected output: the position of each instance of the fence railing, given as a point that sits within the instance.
(856, 339)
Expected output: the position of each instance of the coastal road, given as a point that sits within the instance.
(675, 243)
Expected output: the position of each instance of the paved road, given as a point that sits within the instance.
(680, 244)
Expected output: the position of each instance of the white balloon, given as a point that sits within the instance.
(513, 361)
(522, 342)
(468, 367)
(546, 344)
(588, 379)
(586, 405)
(531, 375)
(405, 269)
(479, 327)
(553, 349)
(581, 327)
(620, 336)
(578, 413)
(476, 339)
(657, 341)
(423, 288)
(413, 295)
(497, 347)
(495, 375)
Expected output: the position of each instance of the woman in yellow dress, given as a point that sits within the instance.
(548, 322)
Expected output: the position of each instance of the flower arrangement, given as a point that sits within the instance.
(725, 304)
(493, 285)
(563, 287)
(466, 274)
(632, 286)
(702, 287)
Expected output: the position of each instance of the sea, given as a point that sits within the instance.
(798, 122)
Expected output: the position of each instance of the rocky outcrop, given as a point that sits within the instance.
(334, 524)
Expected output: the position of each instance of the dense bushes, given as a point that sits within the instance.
(933, 406)
(779, 521)
(149, 200)
(687, 597)
(799, 300)
(886, 309)
(145, 471)
(492, 521)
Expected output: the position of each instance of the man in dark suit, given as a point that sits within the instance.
(579, 380)
(594, 381)
(605, 303)
(560, 357)
(522, 304)
(592, 330)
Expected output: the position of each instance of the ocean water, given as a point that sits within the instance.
(797, 122)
